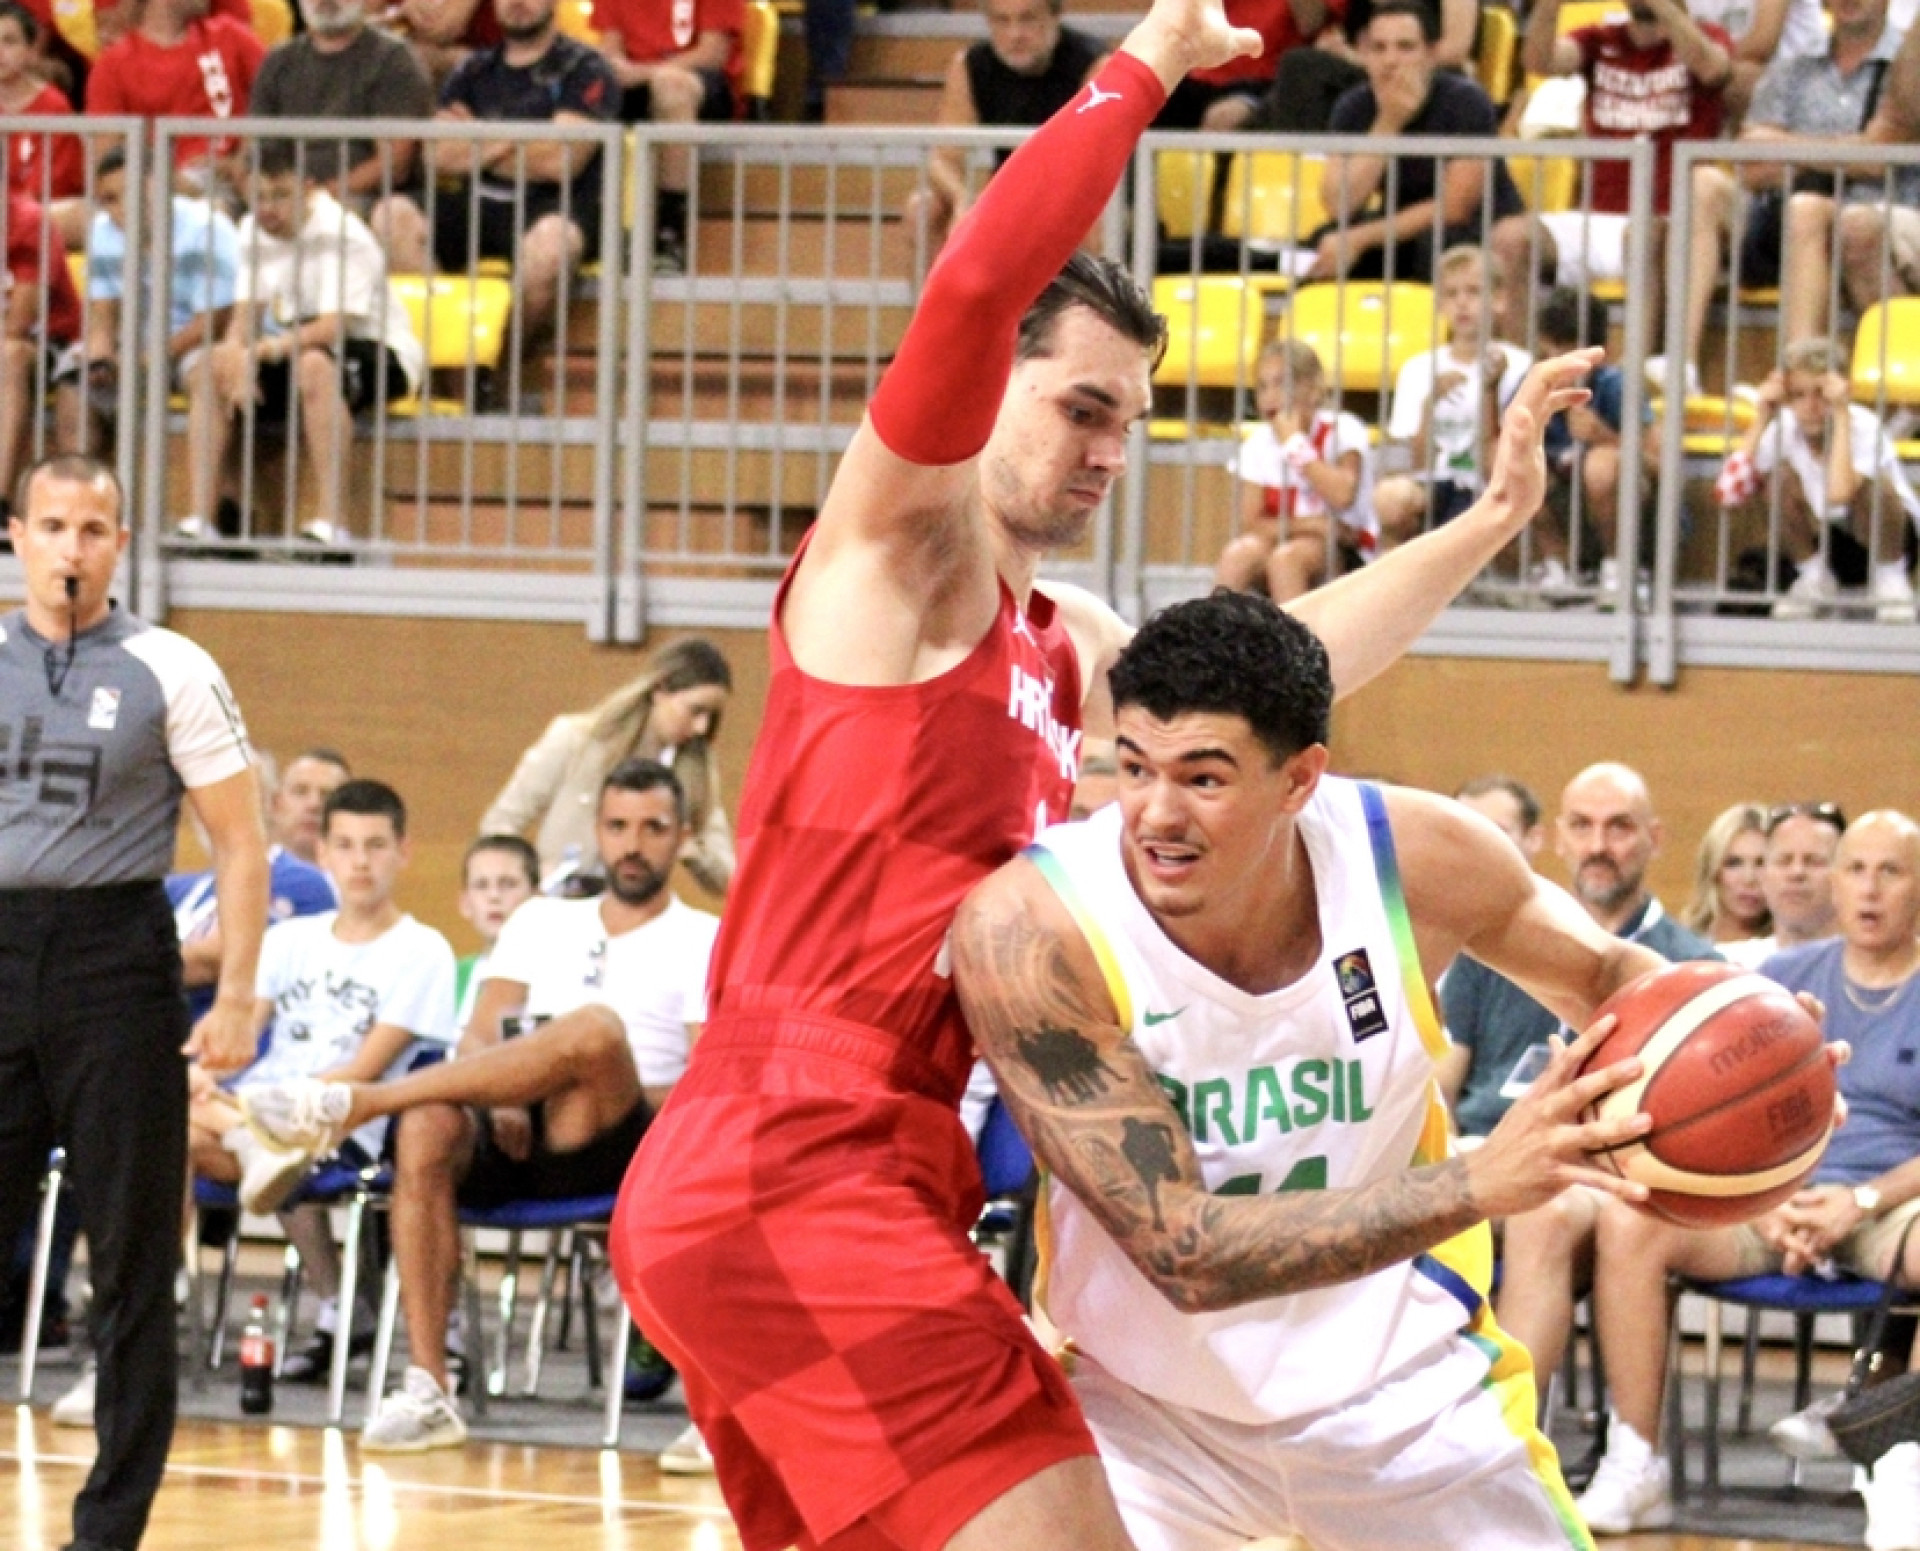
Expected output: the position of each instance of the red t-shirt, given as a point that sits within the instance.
(866, 817)
(1634, 91)
(658, 29)
(27, 229)
(27, 156)
(1273, 20)
(208, 74)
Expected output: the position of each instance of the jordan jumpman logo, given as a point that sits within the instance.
(1095, 97)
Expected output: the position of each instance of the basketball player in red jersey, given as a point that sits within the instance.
(793, 1230)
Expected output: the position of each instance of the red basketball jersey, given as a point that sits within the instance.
(867, 816)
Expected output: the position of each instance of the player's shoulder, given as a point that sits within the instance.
(170, 655)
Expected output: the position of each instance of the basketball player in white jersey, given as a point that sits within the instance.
(1208, 1008)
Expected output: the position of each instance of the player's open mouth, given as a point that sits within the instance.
(1167, 859)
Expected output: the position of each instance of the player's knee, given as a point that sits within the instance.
(426, 1139)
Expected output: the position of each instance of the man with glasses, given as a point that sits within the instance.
(606, 995)
(1796, 878)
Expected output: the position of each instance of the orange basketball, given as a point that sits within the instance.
(1737, 1082)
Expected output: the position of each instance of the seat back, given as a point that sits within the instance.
(575, 19)
(1215, 327)
(759, 56)
(272, 21)
(1274, 196)
(1183, 184)
(1546, 183)
(1006, 1162)
(457, 318)
(1496, 51)
(1886, 352)
(1364, 331)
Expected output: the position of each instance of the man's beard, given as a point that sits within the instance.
(527, 33)
(647, 882)
(1609, 896)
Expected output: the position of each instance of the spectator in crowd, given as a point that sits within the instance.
(443, 34)
(1846, 511)
(43, 167)
(1656, 74)
(1762, 31)
(1880, 242)
(175, 60)
(1404, 94)
(1307, 82)
(1864, 1193)
(1447, 403)
(346, 995)
(498, 875)
(1797, 876)
(1827, 95)
(534, 75)
(1306, 483)
(671, 712)
(40, 334)
(1607, 834)
(299, 800)
(315, 315)
(1025, 70)
(1729, 904)
(676, 63)
(202, 280)
(1223, 98)
(341, 68)
(1509, 804)
(613, 989)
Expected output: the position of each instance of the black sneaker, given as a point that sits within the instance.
(648, 1373)
(669, 252)
(313, 1363)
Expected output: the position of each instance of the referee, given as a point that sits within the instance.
(104, 722)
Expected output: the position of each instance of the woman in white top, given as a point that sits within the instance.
(1729, 904)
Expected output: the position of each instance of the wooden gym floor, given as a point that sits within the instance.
(300, 1489)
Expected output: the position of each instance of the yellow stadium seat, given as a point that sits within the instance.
(1575, 14)
(1546, 183)
(1274, 196)
(1886, 352)
(73, 20)
(77, 267)
(1215, 327)
(460, 320)
(272, 21)
(1184, 184)
(575, 19)
(1364, 331)
(760, 57)
(1496, 52)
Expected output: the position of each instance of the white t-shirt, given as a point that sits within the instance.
(1261, 462)
(1873, 458)
(654, 978)
(1803, 32)
(327, 996)
(1455, 445)
(334, 265)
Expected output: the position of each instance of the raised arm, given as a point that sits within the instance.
(1099, 1121)
(1542, 50)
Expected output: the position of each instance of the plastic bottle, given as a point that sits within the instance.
(256, 1361)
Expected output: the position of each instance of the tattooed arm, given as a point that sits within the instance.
(1095, 1115)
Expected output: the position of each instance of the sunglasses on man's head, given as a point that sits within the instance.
(1819, 812)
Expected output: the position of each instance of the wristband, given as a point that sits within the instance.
(1739, 481)
(1298, 452)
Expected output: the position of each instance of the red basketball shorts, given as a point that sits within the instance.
(792, 1234)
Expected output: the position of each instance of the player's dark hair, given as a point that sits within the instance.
(1427, 16)
(71, 468)
(646, 775)
(1112, 294)
(1572, 318)
(372, 798)
(507, 845)
(1237, 655)
(1513, 786)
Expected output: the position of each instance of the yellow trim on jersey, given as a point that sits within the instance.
(1061, 882)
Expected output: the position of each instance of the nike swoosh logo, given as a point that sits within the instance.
(1161, 1017)
(1095, 97)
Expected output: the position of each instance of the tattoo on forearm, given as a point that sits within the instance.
(1148, 1146)
(1068, 1063)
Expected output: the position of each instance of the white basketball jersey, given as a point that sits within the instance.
(1324, 1084)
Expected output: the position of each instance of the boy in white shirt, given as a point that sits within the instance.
(498, 875)
(348, 993)
(1306, 483)
(1844, 467)
(1447, 403)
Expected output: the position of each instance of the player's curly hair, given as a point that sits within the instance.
(1235, 654)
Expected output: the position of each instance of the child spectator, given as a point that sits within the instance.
(1447, 403)
(42, 167)
(1846, 477)
(1306, 483)
(498, 875)
(40, 336)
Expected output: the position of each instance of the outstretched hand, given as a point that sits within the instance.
(1519, 476)
(1542, 1144)
(1177, 37)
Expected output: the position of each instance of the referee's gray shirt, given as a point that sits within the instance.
(91, 779)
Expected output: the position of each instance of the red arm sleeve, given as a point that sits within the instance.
(937, 402)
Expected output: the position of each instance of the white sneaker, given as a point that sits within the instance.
(1625, 1497)
(1607, 593)
(268, 1175)
(192, 530)
(1550, 578)
(418, 1416)
(687, 1455)
(75, 1408)
(1656, 370)
(1812, 590)
(1893, 1500)
(1892, 594)
(320, 531)
(1805, 1434)
(302, 1114)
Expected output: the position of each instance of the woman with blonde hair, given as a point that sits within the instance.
(1728, 905)
(671, 713)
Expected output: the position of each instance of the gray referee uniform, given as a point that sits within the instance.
(99, 740)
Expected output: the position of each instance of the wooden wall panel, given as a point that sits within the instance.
(443, 708)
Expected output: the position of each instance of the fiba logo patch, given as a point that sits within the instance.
(1360, 994)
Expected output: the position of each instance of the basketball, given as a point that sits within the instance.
(1738, 1085)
